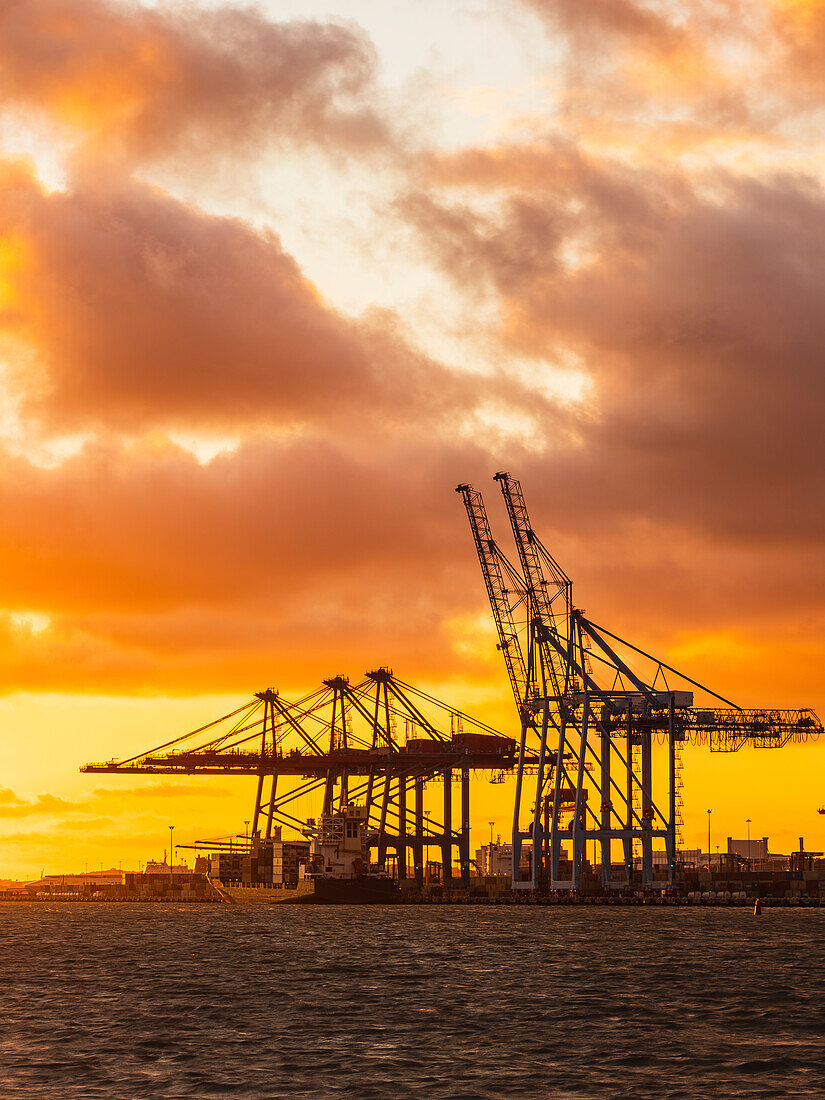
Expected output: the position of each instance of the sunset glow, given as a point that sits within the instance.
(273, 281)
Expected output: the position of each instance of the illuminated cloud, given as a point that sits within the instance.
(799, 26)
(286, 562)
(687, 302)
(44, 804)
(593, 19)
(134, 81)
(659, 65)
(282, 561)
(682, 491)
(128, 308)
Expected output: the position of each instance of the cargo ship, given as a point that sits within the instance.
(331, 868)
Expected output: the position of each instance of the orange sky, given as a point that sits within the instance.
(272, 282)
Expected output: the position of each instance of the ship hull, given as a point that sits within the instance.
(361, 890)
(302, 894)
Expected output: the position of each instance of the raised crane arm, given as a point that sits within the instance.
(551, 597)
(490, 559)
(534, 556)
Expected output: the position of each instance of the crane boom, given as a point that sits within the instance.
(532, 552)
(533, 556)
(489, 557)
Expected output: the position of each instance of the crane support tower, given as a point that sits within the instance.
(592, 707)
(376, 743)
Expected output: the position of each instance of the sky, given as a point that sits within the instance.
(275, 278)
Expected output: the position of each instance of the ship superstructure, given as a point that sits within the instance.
(338, 846)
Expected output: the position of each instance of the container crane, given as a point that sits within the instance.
(593, 710)
(504, 601)
(338, 745)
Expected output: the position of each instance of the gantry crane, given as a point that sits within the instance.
(339, 745)
(595, 715)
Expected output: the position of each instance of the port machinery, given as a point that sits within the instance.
(379, 741)
(591, 706)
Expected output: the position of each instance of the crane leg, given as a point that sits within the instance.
(418, 843)
(605, 816)
(447, 845)
(401, 850)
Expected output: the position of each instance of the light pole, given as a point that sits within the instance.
(247, 831)
(749, 837)
(709, 813)
(171, 854)
(491, 824)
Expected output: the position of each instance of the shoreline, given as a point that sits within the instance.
(517, 899)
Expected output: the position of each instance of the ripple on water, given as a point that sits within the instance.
(145, 1001)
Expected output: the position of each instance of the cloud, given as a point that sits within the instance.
(137, 82)
(592, 19)
(699, 62)
(798, 30)
(694, 306)
(180, 534)
(751, 71)
(685, 35)
(124, 307)
(159, 790)
(49, 805)
(45, 804)
(337, 542)
(278, 563)
(288, 561)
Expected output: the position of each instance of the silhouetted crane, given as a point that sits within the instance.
(590, 715)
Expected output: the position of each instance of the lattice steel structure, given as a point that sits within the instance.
(339, 745)
(591, 708)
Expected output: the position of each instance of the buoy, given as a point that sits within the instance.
(757, 909)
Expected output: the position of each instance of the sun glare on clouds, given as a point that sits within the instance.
(256, 328)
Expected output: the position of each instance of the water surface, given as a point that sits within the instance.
(119, 1001)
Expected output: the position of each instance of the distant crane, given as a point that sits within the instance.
(589, 717)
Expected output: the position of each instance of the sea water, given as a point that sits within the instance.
(115, 1000)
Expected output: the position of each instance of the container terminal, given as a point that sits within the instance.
(594, 759)
(731, 879)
